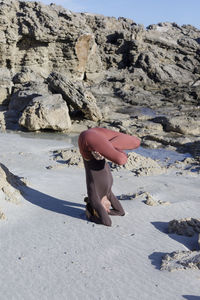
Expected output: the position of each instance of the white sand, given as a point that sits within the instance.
(48, 250)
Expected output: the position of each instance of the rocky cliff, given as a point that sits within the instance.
(66, 71)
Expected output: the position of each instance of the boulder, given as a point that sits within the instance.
(46, 112)
(187, 226)
(26, 75)
(23, 94)
(75, 95)
(181, 260)
(183, 125)
(180, 124)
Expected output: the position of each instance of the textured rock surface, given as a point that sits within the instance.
(138, 164)
(154, 202)
(75, 95)
(21, 98)
(144, 196)
(180, 124)
(71, 157)
(11, 187)
(181, 260)
(46, 112)
(188, 226)
(5, 85)
(110, 65)
(45, 38)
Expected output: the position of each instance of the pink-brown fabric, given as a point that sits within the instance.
(108, 143)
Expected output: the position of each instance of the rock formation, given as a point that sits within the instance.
(138, 164)
(46, 112)
(188, 226)
(181, 260)
(75, 95)
(11, 187)
(110, 72)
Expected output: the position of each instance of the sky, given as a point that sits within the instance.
(144, 12)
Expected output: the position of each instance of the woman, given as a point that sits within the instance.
(95, 145)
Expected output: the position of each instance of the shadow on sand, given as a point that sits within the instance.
(156, 259)
(72, 209)
(190, 297)
(191, 243)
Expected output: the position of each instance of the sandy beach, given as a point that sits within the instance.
(50, 251)
(63, 72)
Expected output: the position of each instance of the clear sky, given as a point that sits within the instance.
(144, 12)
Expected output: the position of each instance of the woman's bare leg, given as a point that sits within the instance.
(106, 203)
